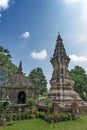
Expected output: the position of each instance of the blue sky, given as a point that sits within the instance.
(29, 29)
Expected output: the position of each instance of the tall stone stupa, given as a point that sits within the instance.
(61, 90)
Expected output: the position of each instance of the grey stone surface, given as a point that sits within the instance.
(20, 88)
(75, 111)
(61, 91)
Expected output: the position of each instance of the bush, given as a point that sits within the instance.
(69, 116)
(1, 107)
(14, 116)
(57, 117)
(32, 116)
(31, 104)
(9, 123)
(41, 115)
(25, 115)
(49, 118)
(19, 116)
(7, 116)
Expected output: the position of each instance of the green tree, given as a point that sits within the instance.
(80, 81)
(7, 68)
(37, 76)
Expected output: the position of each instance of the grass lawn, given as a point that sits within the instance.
(38, 124)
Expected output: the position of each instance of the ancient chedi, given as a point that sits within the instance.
(61, 90)
(20, 88)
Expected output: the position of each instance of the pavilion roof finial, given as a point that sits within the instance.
(20, 68)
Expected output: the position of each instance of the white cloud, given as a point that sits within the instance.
(39, 55)
(75, 58)
(81, 38)
(78, 23)
(25, 35)
(4, 4)
(71, 1)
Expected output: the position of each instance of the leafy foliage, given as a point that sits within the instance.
(1, 107)
(31, 104)
(37, 76)
(7, 68)
(4, 105)
(80, 78)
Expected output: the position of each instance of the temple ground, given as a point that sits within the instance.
(38, 124)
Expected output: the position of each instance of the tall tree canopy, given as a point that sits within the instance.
(37, 76)
(7, 68)
(79, 76)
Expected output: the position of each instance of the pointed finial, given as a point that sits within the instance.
(59, 37)
(20, 68)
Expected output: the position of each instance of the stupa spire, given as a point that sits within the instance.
(59, 48)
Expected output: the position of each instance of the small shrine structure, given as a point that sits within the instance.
(20, 88)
